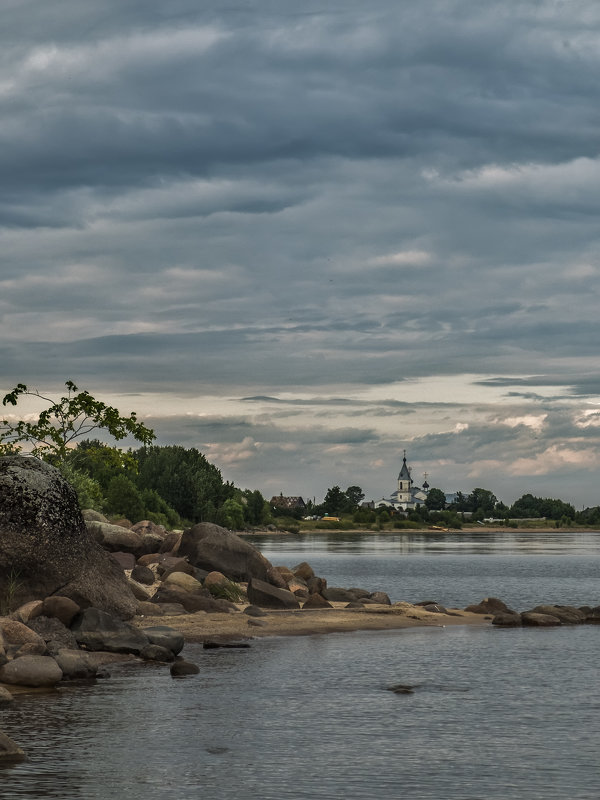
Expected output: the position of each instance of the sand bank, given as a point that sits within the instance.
(203, 626)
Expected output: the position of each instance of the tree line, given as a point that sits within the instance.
(174, 485)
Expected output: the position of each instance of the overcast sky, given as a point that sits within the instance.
(303, 237)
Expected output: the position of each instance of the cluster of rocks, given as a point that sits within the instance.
(45, 642)
(541, 616)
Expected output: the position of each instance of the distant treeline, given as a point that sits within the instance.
(172, 486)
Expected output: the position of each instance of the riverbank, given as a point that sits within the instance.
(203, 626)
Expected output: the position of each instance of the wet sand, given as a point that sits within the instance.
(203, 626)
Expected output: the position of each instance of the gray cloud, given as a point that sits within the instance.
(322, 206)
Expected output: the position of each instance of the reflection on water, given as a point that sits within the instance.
(455, 569)
(494, 714)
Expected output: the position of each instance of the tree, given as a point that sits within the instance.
(75, 415)
(335, 500)
(185, 479)
(482, 501)
(436, 500)
(354, 496)
(124, 498)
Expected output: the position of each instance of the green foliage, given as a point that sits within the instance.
(407, 524)
(124, 499)
(231, 515)
(89, 492)
(354, 497)
(228, 590)
(436, 500)
(8, 593)
(365, 515)
(102, 462)
(74, 415)
(159, 511)
(335, 500)
(530, 506)
(256, 508)
(184, 479)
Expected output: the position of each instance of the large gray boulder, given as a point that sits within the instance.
(265, 595)
(211, 547)
(35, 671)
(45, 547)
(94, 629)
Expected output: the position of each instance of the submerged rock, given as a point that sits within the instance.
(9, 750)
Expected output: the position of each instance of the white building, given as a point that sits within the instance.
(407, 496)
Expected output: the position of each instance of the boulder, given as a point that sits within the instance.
(27, 611)
(155, 652)
(53, 632)
(147, 526)
(9, 750)
(76, 664)
(62, 608)
(16, 633)
(211, 547)
(94, 629)
(183, 581)
(35, 671)
(534, 619)
(191, 602)
(170, 543)
(255, 611)
(378, 597)
(5, 699)
(91, 515)
(115, 538)
(140, 592)
(142, 574)
(181, 668)
(304, 571)
(45, 547)
(316, 585)
(336, 594)
(148, 609)
(507, 619)
(317, 601)
(568, 615)
(266, 595)
(169, 564)
(215, 578)
(165, 636)
(490, 605)
(124, 560)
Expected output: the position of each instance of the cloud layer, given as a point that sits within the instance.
(377, 223)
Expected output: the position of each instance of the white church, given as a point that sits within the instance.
(407, 496)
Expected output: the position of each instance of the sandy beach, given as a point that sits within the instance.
(203, 626)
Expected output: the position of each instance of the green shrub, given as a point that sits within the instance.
(227, 591)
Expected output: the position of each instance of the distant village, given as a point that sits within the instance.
(405, 498)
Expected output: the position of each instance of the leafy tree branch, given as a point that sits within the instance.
(73, 416)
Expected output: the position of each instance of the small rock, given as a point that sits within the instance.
(9, 750)
(181, 668)
(255, 611)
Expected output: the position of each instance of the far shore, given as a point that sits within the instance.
(467, 529)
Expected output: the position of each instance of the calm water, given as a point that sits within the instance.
(494, 713)
(457, 569)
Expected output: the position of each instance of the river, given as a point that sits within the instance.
(493, 713)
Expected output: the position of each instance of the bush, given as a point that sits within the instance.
(89, 491)
(227, 590)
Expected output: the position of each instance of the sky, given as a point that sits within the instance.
(304, 238)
